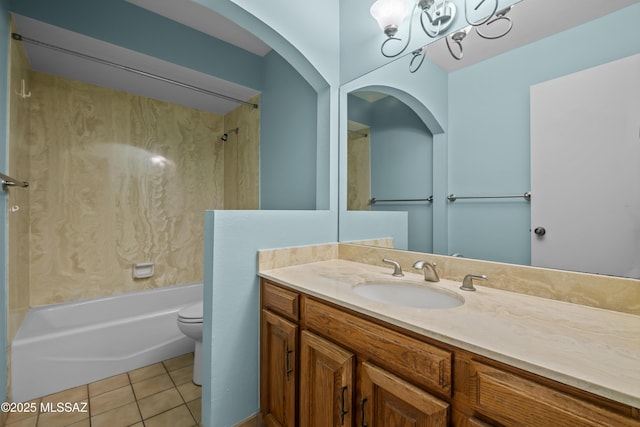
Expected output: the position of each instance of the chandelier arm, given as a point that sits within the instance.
(425, 29)
(458, 57)
(499, 18)
(399, 39)
(482, 22)
(418, 53)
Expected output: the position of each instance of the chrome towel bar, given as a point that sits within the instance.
(453, 197)
(7, 181)
(373, 200)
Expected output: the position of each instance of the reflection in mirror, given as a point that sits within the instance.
(389, 162)
(488, 128)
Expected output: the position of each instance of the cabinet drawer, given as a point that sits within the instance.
(512, 400)
(423, 364)
(281, 301)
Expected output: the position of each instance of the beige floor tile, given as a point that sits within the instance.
(108, 384)
(60, 419)
(159, 402)
(179, 362)
(84, 423)
(190, 391)
(73, 395)
(152, 385)
(22, 421)
(119, 417)
(177, 417)
(14, 417)
(195, 406)
(182, 375)
(111, 399)
(147, 372)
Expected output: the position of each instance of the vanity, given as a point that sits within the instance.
(331, 356)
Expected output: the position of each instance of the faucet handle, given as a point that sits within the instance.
(397, 270)
(467, 282)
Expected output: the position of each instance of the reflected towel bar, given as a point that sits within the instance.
(453, 197)
(373, 200)
(7, 181)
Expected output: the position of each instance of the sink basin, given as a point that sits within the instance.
(407, 294)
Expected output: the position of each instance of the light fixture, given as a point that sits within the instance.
(436, 17)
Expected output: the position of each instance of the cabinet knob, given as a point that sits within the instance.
(540, 231)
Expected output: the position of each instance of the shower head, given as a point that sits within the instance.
(226, 133)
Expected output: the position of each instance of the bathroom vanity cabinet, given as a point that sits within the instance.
(325, 365)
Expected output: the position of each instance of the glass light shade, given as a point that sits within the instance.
(389, 12)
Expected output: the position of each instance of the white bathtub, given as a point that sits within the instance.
(60, 346)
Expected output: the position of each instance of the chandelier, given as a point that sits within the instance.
(436, 17)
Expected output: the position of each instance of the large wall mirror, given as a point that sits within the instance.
(485, 149)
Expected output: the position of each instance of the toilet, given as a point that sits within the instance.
(190, 324)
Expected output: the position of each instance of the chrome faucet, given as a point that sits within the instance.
(429, 270)
(467, 282)
(397, 270)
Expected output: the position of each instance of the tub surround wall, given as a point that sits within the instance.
(119, 179)
(18, 198)
(611, 293)
(242, 158)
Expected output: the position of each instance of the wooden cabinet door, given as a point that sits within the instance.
(278, 344)
(385, 400)
(326, 383)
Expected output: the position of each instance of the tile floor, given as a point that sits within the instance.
(157, 395)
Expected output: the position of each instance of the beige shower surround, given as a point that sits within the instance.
(119, 179)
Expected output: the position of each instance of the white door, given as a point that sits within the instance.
(585, 170)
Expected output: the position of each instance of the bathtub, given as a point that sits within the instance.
(60, 346)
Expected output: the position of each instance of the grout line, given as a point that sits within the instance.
(133, 390)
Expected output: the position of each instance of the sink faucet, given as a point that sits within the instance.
(429, 269)
(467, 282)
(397, 270)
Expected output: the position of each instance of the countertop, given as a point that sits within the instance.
(588, 348)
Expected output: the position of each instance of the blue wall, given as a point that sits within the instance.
(401, 150)
(489, 130)
(232, 293)
(4, 147)
(288, 138)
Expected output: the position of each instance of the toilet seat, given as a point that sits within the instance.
(191, 313)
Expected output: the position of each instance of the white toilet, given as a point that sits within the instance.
(190, 324)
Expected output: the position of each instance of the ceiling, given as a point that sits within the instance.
(533, 19)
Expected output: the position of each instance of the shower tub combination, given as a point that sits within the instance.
(65, 345)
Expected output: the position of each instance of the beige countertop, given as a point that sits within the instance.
(589, 348)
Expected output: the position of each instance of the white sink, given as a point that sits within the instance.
(407, 294)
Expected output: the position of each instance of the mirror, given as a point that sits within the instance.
(486, 151)
(389, 169)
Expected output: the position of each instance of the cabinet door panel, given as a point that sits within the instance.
(278, 341)
(514, 401)
(326, 383)
(388, 401)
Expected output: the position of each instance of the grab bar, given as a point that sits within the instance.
(373, 201)
(7, 181)
(453, 197)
